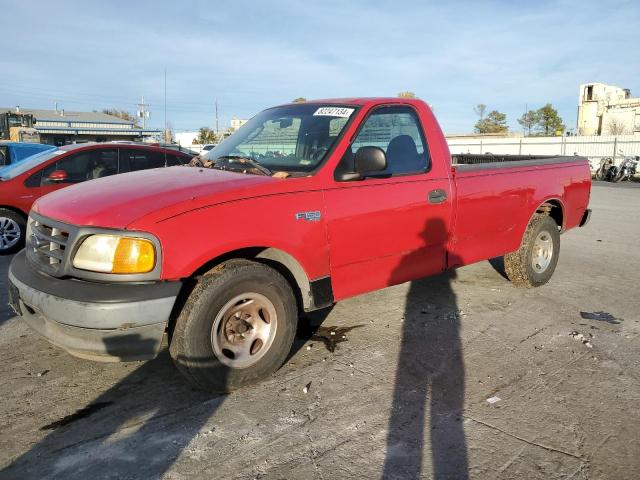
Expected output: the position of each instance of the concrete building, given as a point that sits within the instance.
(607, 110)
(59, 127)
(236, 123)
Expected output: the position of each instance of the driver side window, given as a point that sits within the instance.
(87, 165)
(397, 131)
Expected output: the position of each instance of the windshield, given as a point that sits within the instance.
(292, 138)
(15, 169)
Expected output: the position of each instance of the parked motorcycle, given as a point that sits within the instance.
(605, 164)
(625, 171)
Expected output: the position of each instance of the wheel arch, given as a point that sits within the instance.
(554, 208)
(15, 210)
(309, 293)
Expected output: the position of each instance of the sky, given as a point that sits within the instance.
(249, 55)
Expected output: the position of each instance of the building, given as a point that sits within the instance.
(607, 110)
(60, 127)
(188, 138)
(236, 123)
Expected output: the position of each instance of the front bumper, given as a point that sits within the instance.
(96, 321)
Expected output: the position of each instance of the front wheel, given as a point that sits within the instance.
(236, 327)
(535, 261)
(12, 231)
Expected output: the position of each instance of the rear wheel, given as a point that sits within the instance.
(236, 327)
(12, 231)
(535, 261)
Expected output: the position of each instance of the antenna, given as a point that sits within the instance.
(165, 106)
(217, 119)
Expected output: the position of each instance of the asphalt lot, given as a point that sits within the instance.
(403, 396)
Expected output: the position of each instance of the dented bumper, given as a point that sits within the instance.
(105, 322)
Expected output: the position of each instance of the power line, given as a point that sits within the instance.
(48, 93)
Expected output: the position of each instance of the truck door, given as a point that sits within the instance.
(393, 227)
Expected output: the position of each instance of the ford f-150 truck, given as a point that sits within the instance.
(305, 205)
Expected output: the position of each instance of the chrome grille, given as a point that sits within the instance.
(47, 244)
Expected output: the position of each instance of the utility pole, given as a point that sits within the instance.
(142, 113)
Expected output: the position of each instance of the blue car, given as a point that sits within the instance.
(15, 152)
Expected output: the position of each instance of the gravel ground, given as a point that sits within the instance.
(403, 395)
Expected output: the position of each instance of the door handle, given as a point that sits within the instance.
(437, 196)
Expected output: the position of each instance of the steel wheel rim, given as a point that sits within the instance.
(244, 330)
(9, 233)
(542, 252)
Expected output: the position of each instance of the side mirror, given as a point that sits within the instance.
(370, 159)
(366, 160)
(57, 176)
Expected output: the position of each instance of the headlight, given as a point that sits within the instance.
(115, 254)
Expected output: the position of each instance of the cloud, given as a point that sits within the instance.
(250, 55)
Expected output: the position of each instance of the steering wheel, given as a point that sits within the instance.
(318, 153)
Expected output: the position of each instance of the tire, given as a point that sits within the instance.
(13, 227)
(541, 234)
(223, 299)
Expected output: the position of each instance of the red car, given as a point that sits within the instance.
(305, 205)
(23, 183)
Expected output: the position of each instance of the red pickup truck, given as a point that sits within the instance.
(305, 205)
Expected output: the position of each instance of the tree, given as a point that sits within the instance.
(205, 135)
(407, 94)
(480, 109)
(549, 122)
(616, 127)
(123, 114)
(495, 122)
(529, 120)
(299, 100)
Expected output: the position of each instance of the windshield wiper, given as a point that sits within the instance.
(245, 160)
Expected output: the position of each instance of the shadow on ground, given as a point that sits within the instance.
(149, 416)
(429, 380)
(120, 428)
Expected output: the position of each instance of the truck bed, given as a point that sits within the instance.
(497, 194)
(470, 162)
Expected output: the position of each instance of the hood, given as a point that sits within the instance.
(119, 200)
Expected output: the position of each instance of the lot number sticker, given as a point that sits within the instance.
(334, 112)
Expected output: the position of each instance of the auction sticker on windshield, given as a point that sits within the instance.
(334, 112)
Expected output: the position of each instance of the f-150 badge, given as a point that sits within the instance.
(308, 216)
